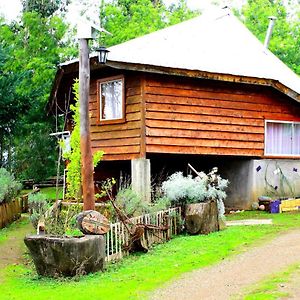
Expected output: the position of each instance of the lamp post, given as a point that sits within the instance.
(86, 32)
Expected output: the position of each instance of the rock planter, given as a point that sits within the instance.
(66, 256)
(202, 218)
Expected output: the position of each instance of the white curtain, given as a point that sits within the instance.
(111, 100)
(282, 138)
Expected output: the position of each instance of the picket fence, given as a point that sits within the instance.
(118, 235)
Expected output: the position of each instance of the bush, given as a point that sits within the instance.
(183, 190)
(38, 205)
(9, 187)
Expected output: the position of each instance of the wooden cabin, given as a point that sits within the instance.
(204, 92)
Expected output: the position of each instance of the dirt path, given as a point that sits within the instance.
(12, 249)
(229, 277)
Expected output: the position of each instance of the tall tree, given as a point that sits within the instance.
(127, 19)
(285, 40)
(12, 105)
(46, 8)
(37, 49)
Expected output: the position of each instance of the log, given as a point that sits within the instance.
(202, 218)
(92, 222)
(66, 256)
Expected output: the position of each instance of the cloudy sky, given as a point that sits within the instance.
(11, 8)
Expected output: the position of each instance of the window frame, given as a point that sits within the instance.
(265, 139)
(99, 102)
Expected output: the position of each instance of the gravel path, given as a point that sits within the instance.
(229, 277)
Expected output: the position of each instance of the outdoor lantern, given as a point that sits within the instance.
(102, 55)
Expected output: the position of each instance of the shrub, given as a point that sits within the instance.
(9, 187)
(38, 206)
(183, 190)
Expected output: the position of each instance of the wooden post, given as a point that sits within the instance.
(87, 168)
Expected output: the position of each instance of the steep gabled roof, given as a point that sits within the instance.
(215, 44)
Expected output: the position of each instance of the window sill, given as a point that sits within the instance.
(281, 156)
(110, 122)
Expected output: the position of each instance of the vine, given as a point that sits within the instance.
(74, 155)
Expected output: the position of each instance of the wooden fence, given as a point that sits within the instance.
(118, 236)
(9, 212)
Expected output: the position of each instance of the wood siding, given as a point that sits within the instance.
(119, 141)
(190, 116)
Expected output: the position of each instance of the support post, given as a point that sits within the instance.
(141, 178)
(87, 168)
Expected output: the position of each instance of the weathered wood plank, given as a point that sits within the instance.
(132, 91)
(111, 157)
(187, 117)
(173, 108)
(217, 103)
(116, 127)
(116, 134)
(130, 108)
(197, 134)
(221, 143)
(203, 150)
(116, 142)
(204, 126)
(116, 150)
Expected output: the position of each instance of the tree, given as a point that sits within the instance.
(285, 39)
(45, 8)
(127, 19)
(12, 106)
(37, 48)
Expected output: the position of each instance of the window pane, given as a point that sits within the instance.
(111, 100)
(296, 139)
(279, 138)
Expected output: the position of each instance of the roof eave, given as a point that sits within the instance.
(207, 75)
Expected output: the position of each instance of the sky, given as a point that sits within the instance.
(11, 8)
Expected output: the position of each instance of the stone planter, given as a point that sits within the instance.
(66, 256)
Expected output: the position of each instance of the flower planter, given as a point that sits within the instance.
(66, 256)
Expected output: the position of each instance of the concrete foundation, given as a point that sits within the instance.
(249, 179)
(141, 178)
(277, 178)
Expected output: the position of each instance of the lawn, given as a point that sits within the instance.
(136, 276)
(50, 192)
(271, 287)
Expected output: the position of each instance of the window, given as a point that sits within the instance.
(282, 138)
(111, 94)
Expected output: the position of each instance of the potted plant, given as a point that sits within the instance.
(60, 248)
(201, 199)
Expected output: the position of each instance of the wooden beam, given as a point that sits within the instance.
(87, 168)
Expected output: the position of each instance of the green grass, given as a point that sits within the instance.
(136, 275)
(50, 192)
(269, 289)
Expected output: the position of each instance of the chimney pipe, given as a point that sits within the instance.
(269, 32)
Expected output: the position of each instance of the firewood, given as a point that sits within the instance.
(92, 222)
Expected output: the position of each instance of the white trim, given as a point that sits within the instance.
(265, 138)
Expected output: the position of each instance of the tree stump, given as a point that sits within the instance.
(66, 256)
(202, 218)
(92, 222)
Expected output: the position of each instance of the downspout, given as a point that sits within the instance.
(269, 31)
